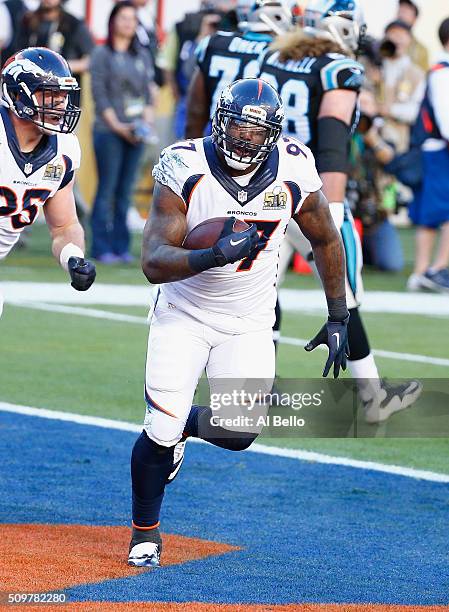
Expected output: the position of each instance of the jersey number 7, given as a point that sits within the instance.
(265, 230)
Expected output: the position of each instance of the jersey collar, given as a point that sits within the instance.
(28, 162)
(265, 175)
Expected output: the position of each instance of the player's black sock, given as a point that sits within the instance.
(359, 347)
(199, 425)
(150, 466)
(277, 324)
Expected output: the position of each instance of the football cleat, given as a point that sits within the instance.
(178, 458)
(145, 548)
(145, 554)
(391, 399)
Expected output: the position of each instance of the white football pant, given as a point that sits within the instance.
(179, 349)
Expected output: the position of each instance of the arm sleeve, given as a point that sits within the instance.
(100, 75)
(439, 96)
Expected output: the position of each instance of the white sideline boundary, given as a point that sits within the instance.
(300, 455)
(115, 316)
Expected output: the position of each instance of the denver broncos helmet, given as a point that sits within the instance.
(36, 84)
(338, 20)
(252, 107)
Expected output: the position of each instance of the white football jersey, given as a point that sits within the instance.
(241, 296)
(27, 180)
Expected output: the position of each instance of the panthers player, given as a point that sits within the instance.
(227, 57)
(39, 155)
(215, 307)
(318, 79)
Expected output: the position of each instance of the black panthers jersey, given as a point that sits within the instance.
(302, 84)
(225, 57)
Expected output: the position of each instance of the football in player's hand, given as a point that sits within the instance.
(208, 232)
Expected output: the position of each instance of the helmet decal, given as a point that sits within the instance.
(36, 85)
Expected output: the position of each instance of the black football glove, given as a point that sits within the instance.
(334, 334)
(82, 272)
(234, 246)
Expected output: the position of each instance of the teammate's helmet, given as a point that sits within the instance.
(247, 122)
(36, 84)
(338, 20)
(269, 16)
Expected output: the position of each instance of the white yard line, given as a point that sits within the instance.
(292, 300)
(439, 361)
(114, 316)
(255, 448)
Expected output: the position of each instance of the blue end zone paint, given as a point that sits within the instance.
(310, 532)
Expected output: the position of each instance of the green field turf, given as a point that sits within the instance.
(94, 366)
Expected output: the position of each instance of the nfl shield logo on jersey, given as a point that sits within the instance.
(28, 168)
(242, 196)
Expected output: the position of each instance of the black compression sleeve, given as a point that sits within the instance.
(333, 145)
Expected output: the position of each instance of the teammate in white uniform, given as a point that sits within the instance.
(215, 308)
(39, 155)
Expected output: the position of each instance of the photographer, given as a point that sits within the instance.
(365, 192)
(409, 13)
(122, 75)
(397, 84)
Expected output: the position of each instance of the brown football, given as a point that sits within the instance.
(207, 233)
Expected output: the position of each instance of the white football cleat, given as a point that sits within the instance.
(391, 399)
(145, 554)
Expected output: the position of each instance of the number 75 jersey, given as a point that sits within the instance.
(27, 180)
(241, 296)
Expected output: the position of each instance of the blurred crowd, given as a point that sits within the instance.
(399, 155)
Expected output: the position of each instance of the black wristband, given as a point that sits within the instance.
(337, 309)
(202, 259)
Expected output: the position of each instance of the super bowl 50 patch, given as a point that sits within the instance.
(53, 172)
(275, 200)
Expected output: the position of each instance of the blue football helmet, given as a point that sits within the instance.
(266, 16)
(340, 21)
(36, 84)
(252, 107)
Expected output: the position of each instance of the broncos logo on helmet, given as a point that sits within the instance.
(338, 20)
(247, 122)
(36, 84)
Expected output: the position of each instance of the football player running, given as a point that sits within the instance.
(215, 306)
(38, 156)
(318, 79)
(226, 57)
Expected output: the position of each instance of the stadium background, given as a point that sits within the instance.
(356, 522)
(165, 13)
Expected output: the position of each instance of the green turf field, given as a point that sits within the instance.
(95, 366)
